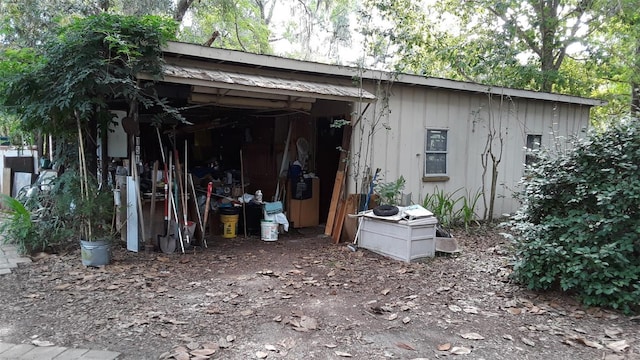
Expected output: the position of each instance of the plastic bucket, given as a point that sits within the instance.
(269, 230)
(95, 253)
(190, 229)
(229, 225)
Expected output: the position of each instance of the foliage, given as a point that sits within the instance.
(240, 24)
(92, 61)
(16, 226)
(390, 193)
(50, 216)
(451, 210)
(578, 227)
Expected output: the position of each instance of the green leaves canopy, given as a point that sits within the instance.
(90, 62)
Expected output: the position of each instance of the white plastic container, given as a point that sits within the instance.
(269, 230)
(400, 240)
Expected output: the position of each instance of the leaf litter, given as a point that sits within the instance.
(278, 296)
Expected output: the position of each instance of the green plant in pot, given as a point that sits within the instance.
(390, 195)
(91, 210)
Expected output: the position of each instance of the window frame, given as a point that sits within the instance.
(427, 151)
(530, 159)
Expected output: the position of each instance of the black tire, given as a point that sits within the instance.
(385, 210)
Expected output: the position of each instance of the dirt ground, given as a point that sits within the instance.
(304, 298)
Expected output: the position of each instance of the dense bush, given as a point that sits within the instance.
(579, 226)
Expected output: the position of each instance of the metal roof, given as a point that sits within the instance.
(298, 66)
(229, 81)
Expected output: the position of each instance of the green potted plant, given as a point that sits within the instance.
(389, 196)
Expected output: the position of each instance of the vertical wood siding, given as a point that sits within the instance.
(400, 150)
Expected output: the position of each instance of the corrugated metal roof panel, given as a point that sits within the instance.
(267, 84)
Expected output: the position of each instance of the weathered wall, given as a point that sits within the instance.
(468, 117)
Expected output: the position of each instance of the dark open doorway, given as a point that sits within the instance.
(328, 142)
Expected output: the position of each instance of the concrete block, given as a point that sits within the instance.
(71, 354)
(100, 355)
(43, 353)
(16, 351)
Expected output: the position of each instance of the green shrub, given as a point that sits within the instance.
(579, 226)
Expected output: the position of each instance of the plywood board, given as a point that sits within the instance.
(6, 181)
(337, 189)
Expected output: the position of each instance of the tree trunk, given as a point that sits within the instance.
(181, 9)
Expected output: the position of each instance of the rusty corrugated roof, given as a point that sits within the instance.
(266, 84)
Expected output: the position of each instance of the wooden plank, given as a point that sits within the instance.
(6, 181)
(350, 206)
(337, 189)
(337, 226)
(339, 184)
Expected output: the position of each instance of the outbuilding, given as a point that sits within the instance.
(263, 114)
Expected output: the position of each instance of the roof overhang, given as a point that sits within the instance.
(299, 66)
(236, 88)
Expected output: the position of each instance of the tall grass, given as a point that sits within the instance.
(452, 209)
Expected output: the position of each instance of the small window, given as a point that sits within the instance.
(533, 143)
(436, 153)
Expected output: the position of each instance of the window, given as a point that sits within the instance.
(533, 143)
(436, 153)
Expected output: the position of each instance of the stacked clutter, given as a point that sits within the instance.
(273, 218)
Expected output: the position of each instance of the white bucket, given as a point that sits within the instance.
(269, 230)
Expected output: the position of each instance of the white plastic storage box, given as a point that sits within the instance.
(402, 240)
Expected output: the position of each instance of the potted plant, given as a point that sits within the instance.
(389, 195)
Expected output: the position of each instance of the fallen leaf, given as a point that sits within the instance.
(343, 354)
(193, 345)
(331, 346)
(405, 346)
(231, 338)
(455, 308)
(270, 347)
(592, 344)
(392, 317)
(612, 333)
(246, 312)
(528, 341)
(471, 310)
(261, 354)
(444, 347)
(385, 291)
(514, 311)
(182, 356)
(62, 287)
(460, 350)
(618, 346)
(472, 336)
(42, 343)
(278, 318)
(203, 352)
